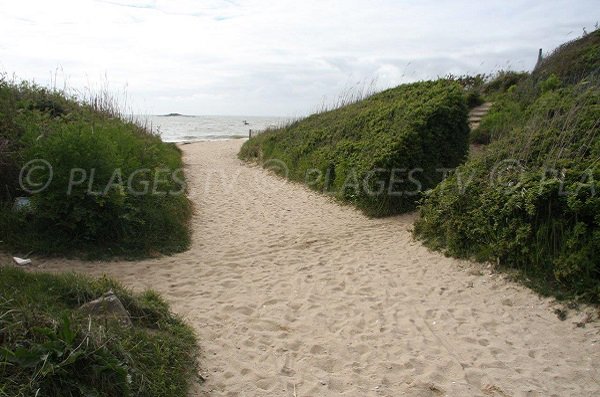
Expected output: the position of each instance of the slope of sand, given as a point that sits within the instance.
(294, 295)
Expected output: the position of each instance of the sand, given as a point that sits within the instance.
(292, 294)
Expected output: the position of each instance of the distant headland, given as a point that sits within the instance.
(173, 115)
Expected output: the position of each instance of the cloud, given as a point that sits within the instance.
(130, 3)
(273, 58)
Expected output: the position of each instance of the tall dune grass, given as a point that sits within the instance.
(88, 131)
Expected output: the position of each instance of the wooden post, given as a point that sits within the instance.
(539, 60)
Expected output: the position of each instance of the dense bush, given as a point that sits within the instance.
(510, 105)
(530, 202)
(502, 81)
(506, 112)
(48, 348)
(116, 188)
(363, 152)
(474, 99)
(473, 86)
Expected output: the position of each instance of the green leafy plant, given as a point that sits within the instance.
(551, 83)
(530, 201)
(48, 348)
(116, 188)
(352, 152)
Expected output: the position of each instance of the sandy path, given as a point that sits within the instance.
(293, 295)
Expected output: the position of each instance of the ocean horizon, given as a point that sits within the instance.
(191, 128)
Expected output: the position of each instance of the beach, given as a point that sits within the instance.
(293, 294)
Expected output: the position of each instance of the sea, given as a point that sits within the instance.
(183, 128)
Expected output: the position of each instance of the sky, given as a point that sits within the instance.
(276, 57)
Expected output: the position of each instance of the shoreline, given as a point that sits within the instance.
(199, 140)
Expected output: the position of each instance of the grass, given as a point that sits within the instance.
(363, 151)
(116, 188)
(572, 61)
(530, 201)
(48, 348)
(119, 204)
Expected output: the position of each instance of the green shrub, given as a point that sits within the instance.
(473, 87)
(116, 188)
(474, 99)
(502, 81)
(530, 201)
(359, 152)
(48, 348)
(501, 118)
(510, 104)
(551, 83)
(10, 133)
(480, 136)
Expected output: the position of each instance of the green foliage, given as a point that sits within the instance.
(530, 202)
(474, 99)
(351, 152)
(480, 137)
(512, 106)
(501, 118)
(503, 81)
(473, 87)
(116, 188)
(509, 92)
(551, 83)
(572, 61)
(47, 348)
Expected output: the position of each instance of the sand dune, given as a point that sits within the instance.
(294, 295)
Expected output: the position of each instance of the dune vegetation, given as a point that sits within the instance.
(115, 189)
(530, 201)
(77, 178)
(377, 153)
(526, 201)
(48, 347)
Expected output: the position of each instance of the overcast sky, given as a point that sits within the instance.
(276, 57)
